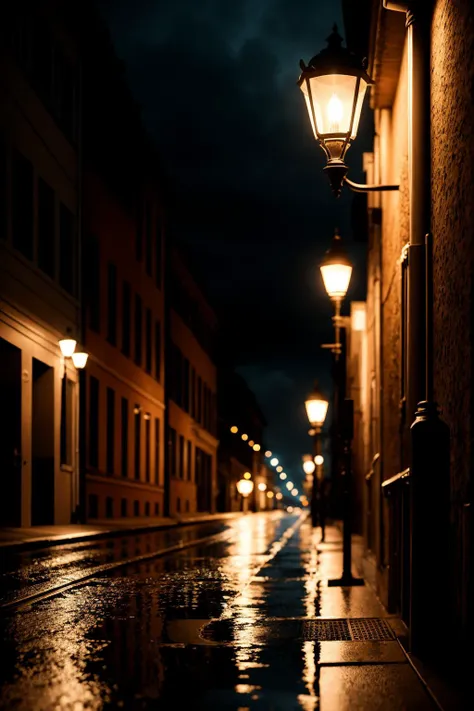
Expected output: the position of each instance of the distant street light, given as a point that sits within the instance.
(262, 486)
(309, 466)
(319, 459)
(274, 462)
(245, 488)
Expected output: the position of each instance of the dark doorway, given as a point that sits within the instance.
(42, 445)
(10, 434)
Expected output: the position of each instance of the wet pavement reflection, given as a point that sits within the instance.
(217, 626)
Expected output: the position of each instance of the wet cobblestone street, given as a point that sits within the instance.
(225, 625)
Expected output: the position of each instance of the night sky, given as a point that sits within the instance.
(216, 82)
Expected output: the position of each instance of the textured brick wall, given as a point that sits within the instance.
(395, 234)
(452, 134)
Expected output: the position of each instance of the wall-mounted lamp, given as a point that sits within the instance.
(68, 350)
(334, 84)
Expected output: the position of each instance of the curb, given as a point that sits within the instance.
(51, 541)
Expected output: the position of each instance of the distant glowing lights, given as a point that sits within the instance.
(247, 475)
(283, 476)
(256, 448)
(234, 429)
(279, 468)
(245, 437)
(274, 462)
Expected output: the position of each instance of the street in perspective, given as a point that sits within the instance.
(236, 355)
(241, 618)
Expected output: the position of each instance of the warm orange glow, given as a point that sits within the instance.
(283, 476)
(289, 485)
(336, 278)
(295, 492)
(279, 496)
(279, 468)
(251, 443)
(256, 448)
(319, 459)
(245, 437)
(262, 486)
(244, 487)
(234, 429)
(309, 466)
(316, 409)
(270, 494)
(247, 475)
(268, 454)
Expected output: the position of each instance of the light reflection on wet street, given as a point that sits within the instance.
(217, 626)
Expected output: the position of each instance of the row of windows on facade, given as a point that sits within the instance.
(46, 67)
(188, 390)
(181, 450)
(149, 509)
(142, 317)
(42, 228)
(143, 424)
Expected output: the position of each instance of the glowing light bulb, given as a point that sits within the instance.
(279, 468)
(247, 475)
(245, 437)
(335, 112)
(274, 461)
(283, 476)
(234, 429)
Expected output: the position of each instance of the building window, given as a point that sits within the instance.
(199, 400)
(93, 506)
(147, 508)
(93, 422)
(148, 240)
(158, 350)
(157, 509)
(172, 446)
(139, 231)
(22, 204)
(137, 414)
(148, 344)
(67, 407)
(186, 384)
(157, 450)
(124, 437)
(193, 393)
(136, 508)
(109, 507)
(138, 330)
(189, 461)
(126, 317)
(147, 418)
(46, 229)
(110, 430)
(67, 250)
(112, 303)
(158, 252)
(123, 508)
(91, 280)
(181, 457)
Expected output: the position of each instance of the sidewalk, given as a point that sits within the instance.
(305, 645)
(42, 536)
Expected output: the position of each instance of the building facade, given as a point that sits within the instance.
(192, 393)
(123, 297)
(40, 284)
(421, 64)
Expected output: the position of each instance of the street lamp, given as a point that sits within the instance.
(316, 409)
(245, 488)
(334, 84)
(336, 271)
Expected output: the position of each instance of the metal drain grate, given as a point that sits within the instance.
(370, 629)
(359, 630)
(326, 631)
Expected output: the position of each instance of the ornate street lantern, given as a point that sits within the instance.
(336, 269)
(334, 84)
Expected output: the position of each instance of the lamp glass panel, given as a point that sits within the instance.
(358, 110)
(316, 411)
(336, 278)
(79, 359)
(333, 99)
(67, 346)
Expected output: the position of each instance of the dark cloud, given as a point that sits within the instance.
(217, 84)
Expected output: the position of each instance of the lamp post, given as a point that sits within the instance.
(336, 272)
(79, 358)
(334, 84)
(316, 409)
